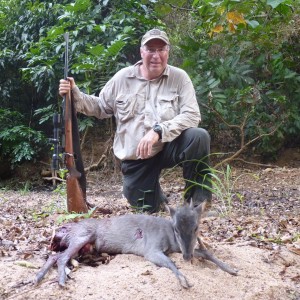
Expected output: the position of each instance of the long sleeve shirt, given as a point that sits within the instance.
(138, 104)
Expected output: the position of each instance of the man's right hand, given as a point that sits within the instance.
(65, 86)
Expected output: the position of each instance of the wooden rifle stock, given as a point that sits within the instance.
(76, 181)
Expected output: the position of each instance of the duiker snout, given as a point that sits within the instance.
(187, 256)
(187, 245)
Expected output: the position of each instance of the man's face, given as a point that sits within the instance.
(155, 56)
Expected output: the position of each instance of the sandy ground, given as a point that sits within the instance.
(267, 270)
(132, 277)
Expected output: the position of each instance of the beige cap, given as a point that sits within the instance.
(155, 34)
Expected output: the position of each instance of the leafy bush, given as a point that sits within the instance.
(18, 142)
(242, 58)
(103, 38)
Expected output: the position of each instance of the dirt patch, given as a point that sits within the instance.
(257, 233)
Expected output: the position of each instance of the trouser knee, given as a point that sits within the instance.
(196, 143)
(199, 137)
(140, 184)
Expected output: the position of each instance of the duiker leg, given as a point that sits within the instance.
(46, 267)
(76, 243)
(161, 260)
(204, 253)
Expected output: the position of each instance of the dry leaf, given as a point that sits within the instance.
(293, 249)
(147, 273)
(26, 264)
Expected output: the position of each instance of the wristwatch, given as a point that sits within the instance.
(157, 128)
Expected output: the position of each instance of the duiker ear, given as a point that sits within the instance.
(170, 210)
(200, 208)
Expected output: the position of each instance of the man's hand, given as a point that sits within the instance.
(144, 148)
(65, 86)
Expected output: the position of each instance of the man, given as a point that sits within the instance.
(157, 117)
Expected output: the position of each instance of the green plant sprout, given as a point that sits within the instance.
(222, 185)
(72, 216)
(140, 209)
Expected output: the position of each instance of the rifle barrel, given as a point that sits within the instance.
(66, 70)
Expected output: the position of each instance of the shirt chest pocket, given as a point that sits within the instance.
(128, 106)
(168, 107)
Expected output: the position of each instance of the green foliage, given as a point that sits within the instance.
(242, 57)
(73, 216)
(103, 35)
(45, 113)
(18, 142)
(141, 206)
(98, 35)
(222, 185)
(61, 189)
(25, 23)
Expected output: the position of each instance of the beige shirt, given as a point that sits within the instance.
(138, 104)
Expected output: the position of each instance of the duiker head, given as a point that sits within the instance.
(186, 222)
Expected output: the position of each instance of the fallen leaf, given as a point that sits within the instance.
(147, 273)
(75, 264)
(293, 249)
(26, 264)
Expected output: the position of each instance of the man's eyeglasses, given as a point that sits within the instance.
(158, 50)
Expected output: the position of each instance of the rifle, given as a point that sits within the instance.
(76, 180)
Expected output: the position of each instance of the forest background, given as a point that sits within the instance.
(243, 58)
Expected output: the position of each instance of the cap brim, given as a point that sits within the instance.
(155, 38)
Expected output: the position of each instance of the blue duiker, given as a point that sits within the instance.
(144, 235)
